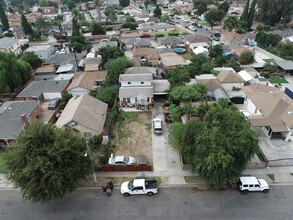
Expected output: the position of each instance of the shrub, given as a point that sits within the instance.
(159, 35)
(173, 34)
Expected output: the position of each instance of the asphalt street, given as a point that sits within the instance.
(170, 203)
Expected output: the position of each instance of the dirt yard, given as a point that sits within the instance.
(133, 135)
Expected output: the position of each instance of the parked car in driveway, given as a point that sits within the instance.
(193, 28)
(54, 104)
(157, 125)
(252, 184)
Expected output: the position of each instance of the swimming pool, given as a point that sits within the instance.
(179, 50)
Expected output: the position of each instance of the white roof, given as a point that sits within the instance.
(248, 180)
(64, 77)
(206, 76)
(200, 50)
(65, 68)
(245, 75)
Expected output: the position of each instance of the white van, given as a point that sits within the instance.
(251, 184)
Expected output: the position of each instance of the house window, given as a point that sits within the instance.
(87, 135)
(129, 83)
(98, 83)
(255, 111)
(128, 99)
(141, 82)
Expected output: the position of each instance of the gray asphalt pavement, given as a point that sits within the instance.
(170, 203)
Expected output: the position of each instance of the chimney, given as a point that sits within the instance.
(25, 121)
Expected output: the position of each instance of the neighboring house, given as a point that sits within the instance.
(136, 89)
(142, 43)
(271, 109)
(171, 60)
(43, 51)
(286, 66)
(84, 82)
(231, 81)
(65, 58)
(233, 40)
(43, 90)
(103, 44)
(66, 68)
(91, 60)
(45, 72)
(195, 41)
(249, 39)
(156, 27)
(84, 115)
(145, 54)
(14, 116)
(170, 41)
(163, 49)
(8, 44)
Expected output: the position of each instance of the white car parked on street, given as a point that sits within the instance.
(251, 184)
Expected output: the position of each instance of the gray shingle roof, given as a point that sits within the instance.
(7, 42)
(10, 120)
(129, 92)
(36, 88)
(135, 77)
(64, 58)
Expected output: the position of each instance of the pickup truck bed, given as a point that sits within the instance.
(151, 184)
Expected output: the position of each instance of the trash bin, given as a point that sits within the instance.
(108, 191)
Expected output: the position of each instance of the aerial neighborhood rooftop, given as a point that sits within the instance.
(140, 79)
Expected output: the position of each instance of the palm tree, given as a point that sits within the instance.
(230, 23)
(98, 5)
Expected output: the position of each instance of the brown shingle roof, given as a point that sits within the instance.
(229, 77)
(232, 36)
(197, 39)
(87, 80)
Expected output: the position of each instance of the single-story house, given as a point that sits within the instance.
(84, 115)
(156, 27)
(84, 82)
(171, 60)
(141, 55)
(91, 60)
(65, 58)
(231, 81)
(286, 66)
(15, 116)
(8, 44)
(42, 51)
(233, 40)
(43, 90)
(65, 68)
(169, 41)
(195, 41)
(271, 109)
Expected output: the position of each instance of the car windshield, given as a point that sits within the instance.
(130, 185)
(126, 159)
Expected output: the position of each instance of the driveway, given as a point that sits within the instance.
(166, 161)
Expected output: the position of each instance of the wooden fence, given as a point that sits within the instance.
(109, 168)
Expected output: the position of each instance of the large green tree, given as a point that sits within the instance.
(109, 52)
(3, 19)
(178, 76)
(97, 28)
(246, 58)
(213, 16)
(105, 94)
(201, 6)
(13, 73)
(157, 12)
(219, 145)
(32, 59)
(47, 162)
(115, 67)
(248, 13)
(274, 11)
(188, 93)
(27, 28)
(230, 23)
(124, 3)
(224, 6)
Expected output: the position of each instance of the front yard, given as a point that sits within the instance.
(277, 80)
(133, 136)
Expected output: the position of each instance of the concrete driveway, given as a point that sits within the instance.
(166, 161)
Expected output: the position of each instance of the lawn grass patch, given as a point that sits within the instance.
(130, 116)
(271, 176)
(277, 80)
(186, 56)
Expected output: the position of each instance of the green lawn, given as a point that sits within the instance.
(186, 56)
(277, 80)
(2, 162)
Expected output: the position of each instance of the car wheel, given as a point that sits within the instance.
(150, 193)
(265, 191)
(126, 194)
(245, 191)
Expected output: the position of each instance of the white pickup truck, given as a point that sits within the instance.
(139, 187)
